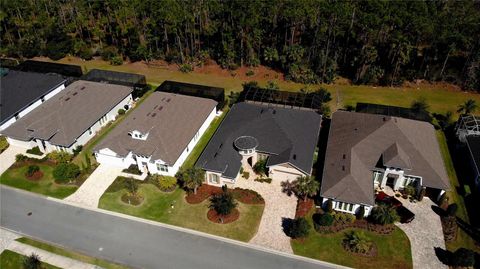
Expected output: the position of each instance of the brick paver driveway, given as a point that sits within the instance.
(277, 207)
(96, 184)
(425, 234)
(7, 158)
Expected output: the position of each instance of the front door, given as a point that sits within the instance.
(390, 182)
(250, 161)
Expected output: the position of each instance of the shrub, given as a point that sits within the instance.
(186, 68)
(223, 203)
(20, 158)
(361, 213)
(66, 171)
(133, 169)
(250, 73)
(32, 169)
(409, 190)
(246, 175)
(77, 150)
(344, 218)
(3, 143)
(132, 186)
(452, 209)
(384, 214)
(462, 257)
(32, 262)
(264, 180)
(166, 183)
(260, 167)
(35, 151)
(323, 220)
(108, 53)
(117, 60)
(358, 242)
(299, 228)
(329, 206)
(421, 194)
(60, 156)
(121, 111)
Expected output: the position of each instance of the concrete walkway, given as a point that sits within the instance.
(425, 233)
(7, 158)
(6, 238)
(278, 206)
(93, 188)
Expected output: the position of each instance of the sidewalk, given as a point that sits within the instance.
(7, 158)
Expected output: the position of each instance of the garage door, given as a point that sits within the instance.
(284, 175)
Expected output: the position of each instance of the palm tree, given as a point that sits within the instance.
(306, 186)
(223, 203)
(357, 242)
(467, 107)
(192, 178)
(419, 105)
(132, 186)
(384, 214)
(32, 262)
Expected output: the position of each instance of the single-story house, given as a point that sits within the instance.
(21, 92)
(71, 118)
(159, 134)
(286, 137)
(367, 152)
(473, 145)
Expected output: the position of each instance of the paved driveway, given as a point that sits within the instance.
(425, 234)
(7, 158)
(278, 206)
(96, 184)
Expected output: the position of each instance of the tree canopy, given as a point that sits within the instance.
(377, 42)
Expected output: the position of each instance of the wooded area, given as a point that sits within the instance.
(369, 42)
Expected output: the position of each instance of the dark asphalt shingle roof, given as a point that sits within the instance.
(356, 143)
(288, 135)
(20, 89)
(64, 117)
(473, 143)
(171, 121)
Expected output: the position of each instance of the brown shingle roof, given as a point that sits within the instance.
(68, 114)
(171, 121)
(358, 141)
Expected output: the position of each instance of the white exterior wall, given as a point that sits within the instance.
(20, 143)
(31, 107)
(356, 207)
(402, 180)
(284, 172)
(223, 180)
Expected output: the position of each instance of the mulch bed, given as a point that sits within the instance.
(214, 217)
(132, 199)
(359, 224)
(242, 195)
(33, 162)
(35, 177)
(303, 207)
(450, 228)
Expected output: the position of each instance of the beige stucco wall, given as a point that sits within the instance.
(283, 172)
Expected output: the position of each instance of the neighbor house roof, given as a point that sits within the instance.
(20, 89)
(288, 135)
(67, 115)
(473, 143)
(171, 121)
(360, 142)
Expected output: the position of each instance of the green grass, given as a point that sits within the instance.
(13, 260)
(3, 143)
(393, 250)
(463, 239)
(70, 254)
(15, 177)
(202, 143)
(157, 206)
(88, 148)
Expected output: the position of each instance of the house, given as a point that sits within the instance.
(21, 92)
(367, 152)
(473, 145)
(159, 134)
(70, 118)
(286, 137)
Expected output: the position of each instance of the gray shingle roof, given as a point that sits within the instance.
(67, 115)
(289, 135)
(357, 141)
(20, 89)
(171, 121)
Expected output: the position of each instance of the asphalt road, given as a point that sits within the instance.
(131, 242)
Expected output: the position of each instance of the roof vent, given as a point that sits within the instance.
(154, 114)
(261, 111)
(160, 108)
(344, 156)
(215, 155)
(168, 100)
(343, 167)
(274, 111)
(148, 114)
(356, 129)
(294, 156)
(68, 98)
(220, 146)
(163, 99)
(155, 107)
(82, 88)
(384, 119)
(75, 93)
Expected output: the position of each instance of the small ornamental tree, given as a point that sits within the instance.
(299, 228)
(60, 156)
(121, 111)
(223, 204)
(66, 171)
(191, 178)
(132, 186)
(324, 219)
(260, 167)
(329, 206)
(358, 242)
(32, 169)
(306, 186)
(361, 213)
(384, 214)
(32, 262)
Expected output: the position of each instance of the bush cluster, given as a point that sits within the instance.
(32, 169)
(186, 68)
(344, 218)
(60, 156)
(35, 151)
(323, 219)
(65, 172)
(164, 183)
(299, 228)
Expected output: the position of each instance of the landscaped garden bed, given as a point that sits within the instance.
(242, 195)
(132, 169)
(303, 207)
(35, 151)
(213, 216)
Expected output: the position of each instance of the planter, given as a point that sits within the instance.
(214, 217)
(35, 177)
(132, 199)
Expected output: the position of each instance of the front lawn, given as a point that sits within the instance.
(15, 177)
(393, 250)
(13, 260)
(70, 254)
(171, 208)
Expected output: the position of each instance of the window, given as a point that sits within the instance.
(196, 136)
(350, 207)
(187, 149)
(262, 156)
(90, 131)
(213, 178)
(162, 167)
(17, 116)
(42, 99)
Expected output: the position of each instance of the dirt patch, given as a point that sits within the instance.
(216, 218)
(132, 199)
(35, 177)
(303, 207)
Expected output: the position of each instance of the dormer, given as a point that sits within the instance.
(138, 135)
